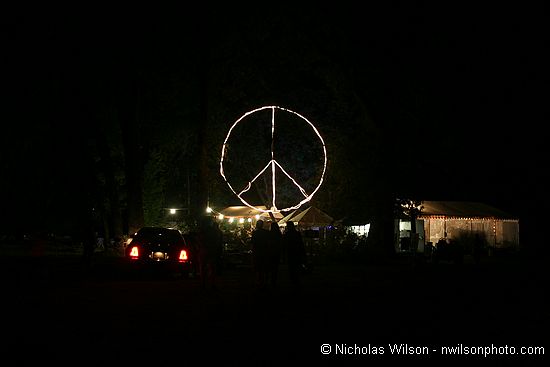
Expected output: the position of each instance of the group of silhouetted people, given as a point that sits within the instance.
(270, 248)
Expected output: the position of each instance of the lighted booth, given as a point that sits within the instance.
(461, 222)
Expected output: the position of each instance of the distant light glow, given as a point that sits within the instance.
(172, 211)
(209, 210)
(249, 220)
(241, 220)
(220, 216)
(272, 163)
(257, 216)
(362, 230)
(230, 220)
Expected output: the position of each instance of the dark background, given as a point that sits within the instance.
(457, 90)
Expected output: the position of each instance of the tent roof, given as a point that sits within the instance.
(310, 217)
(288, 217)
(463, 209)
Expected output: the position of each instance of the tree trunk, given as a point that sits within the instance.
(203, 177)
(381, 237)
(113, 213)
(204, 126)
(129, 115)
(414, 237)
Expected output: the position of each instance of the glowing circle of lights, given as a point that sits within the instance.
(273, 163)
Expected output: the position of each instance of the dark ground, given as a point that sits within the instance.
(54, 309)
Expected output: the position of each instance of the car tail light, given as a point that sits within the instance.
(183, 256)
(134, 252)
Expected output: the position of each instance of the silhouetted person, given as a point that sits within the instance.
(441, 249)
(296, 253)
(85, 234)
(478, 248)
(274, 253)
(100, 244)
(457, 252)
(218, 240)
(260, 255)
(210, 248)
(193, 241)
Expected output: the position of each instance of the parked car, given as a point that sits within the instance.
(160, 248)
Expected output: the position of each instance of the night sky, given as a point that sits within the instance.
(466, 83)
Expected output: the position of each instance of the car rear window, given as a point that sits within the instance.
(159, 234)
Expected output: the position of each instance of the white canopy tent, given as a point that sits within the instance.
(309, 217)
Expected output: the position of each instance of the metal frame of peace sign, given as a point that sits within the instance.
(273, 163)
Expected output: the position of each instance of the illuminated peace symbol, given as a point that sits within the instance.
(273, 163)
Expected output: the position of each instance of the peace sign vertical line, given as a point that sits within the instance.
(273, 156)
